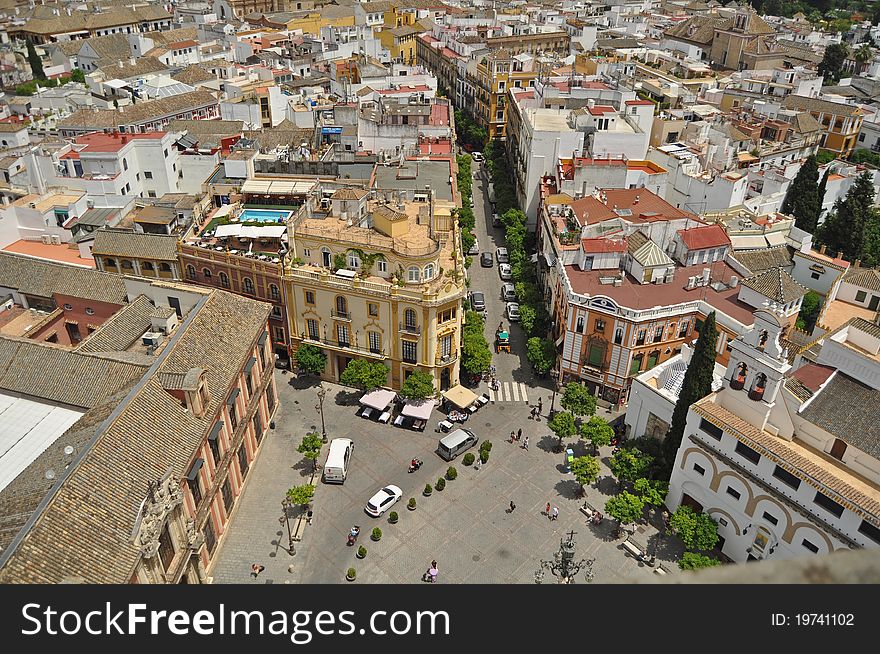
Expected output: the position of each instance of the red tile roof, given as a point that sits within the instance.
(101, 142)
(638, 102)
(602, 245)
(700, 238)
(813, 375)
(601, 110)
(650, 207)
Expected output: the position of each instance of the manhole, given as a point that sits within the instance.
(272, 555)
(475, 557)
(488, 424)
(504, 554)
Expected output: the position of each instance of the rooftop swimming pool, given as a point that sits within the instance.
(264, 216)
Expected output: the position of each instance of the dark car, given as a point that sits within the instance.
(486, 260)
(478, 301)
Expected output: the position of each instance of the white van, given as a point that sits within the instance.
(336, 467)
(453, 444)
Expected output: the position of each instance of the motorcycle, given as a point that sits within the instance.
(415, 464)
(353, 535)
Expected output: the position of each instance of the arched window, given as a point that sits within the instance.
(248, 285)
(127, 265)
(341, 307)
(762, 339)
(354, 260)
(110, 262)
(739, 376)
(191, 272)
(164, 267)
(636, 364)
(124, 164)
(326, 257)
(224, 280)
(206, 273)
(429, 272)
(758, 387)
(146, 265)
(274, 292)
(413, 273)
(409, 320)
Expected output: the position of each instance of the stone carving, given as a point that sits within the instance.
(163, 497)
(194, 537)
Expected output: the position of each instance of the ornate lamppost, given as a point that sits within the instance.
(563, 566)
(285, 519)
(322, 393)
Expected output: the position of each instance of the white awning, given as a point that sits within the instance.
(460, 396)
(228, 230)
(748, 242)
(419, 409)
(116, 83)
(775, 238)
(224, 210)
(378, 399)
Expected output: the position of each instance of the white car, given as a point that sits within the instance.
(505, 271)
(383, 500)
(477, 156)
(513, 312)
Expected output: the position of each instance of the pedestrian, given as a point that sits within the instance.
(547, 510)
(256, 569)
(512, 507)
(555, 514)
(500, 326)
(540, 406)
(526, 443)
(512, 436)
(519, 434)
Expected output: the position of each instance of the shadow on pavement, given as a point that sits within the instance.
(568, 488)
(548, 443)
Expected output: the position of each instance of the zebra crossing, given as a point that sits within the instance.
(509, 392)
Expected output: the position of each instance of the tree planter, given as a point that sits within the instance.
(377, 534)
(361, 552)
(393, 518)
(412, 504)
(351, 575)
(428, 490)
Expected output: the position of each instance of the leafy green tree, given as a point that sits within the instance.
(652, 491)
(852, 219)
(364, 374)
(311, 359)
(528, 317)
(694, 561)
(802, 198)
(598, 432)
(541, 353)
(473, 323)
(475, 353)
(832, 63)
(562, 424)
(35, 63)
(310, 448)
(28, 88)
(418, 386)
(77, 75)
(301, 495)
(629, 464)
(585, 470)
(696, 530)
(809, 313)
(626, 508)
(696, 385)
(578, 400)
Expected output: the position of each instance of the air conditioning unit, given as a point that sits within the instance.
(56, 240)
(151, 339)
(46, 238)
(734, 281)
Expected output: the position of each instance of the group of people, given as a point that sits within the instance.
(553, 513)
(457, 416)
(517, 436)
(536, 409)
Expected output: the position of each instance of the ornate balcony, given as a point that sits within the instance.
(410, 329)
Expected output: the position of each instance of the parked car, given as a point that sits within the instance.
(477, 156)
(478, 301)
(383, 500)
(505, 271)
(501, 255)
(451, 445)
(486, 260)
(474, 249)
(513, 312)
(496, 220)
(508, 292)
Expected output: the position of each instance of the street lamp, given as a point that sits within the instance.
(556, 388)
(285, 519)
(563, 566)
(322, 392)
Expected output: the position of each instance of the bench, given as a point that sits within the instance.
(632, 549)
(660, 571)
(385, 417)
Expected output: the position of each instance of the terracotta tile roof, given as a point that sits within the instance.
(803, 103)
(812, 376)
(141, 66)
(349, 194)
(867, 278)
(777, 285)
(847, 408)
(820, 472)
(126, 243)
(824, 259)
(600, 245)
(193, 75)
(85, 529)
(699, 238)
(90, 20)
(142, 112)
(758, 261)
(41, 278)
(122, 329)
(871, 328)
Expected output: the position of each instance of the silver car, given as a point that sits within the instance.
(508, 292)
(505, 271)
(513, 312)
(501, 255)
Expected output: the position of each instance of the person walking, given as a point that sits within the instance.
(547, 510)
(525, 444)
(512, 435)
(256, 569)
(555, 514)
(512, 507)
(540, 405)
(519, 434)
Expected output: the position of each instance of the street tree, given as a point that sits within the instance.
(626, 508)
(696, 385)
(578, 400)
(694, 561)
(310, 448)
(585, 470)
(802, 198)
(475, 353)
(541, 353)
(598, 432)
(653, 491)
(832, 62)
(301, 495)
(562, 424)
(697, 531)
(310, 359)
(364, 374)
(629, 464)
(418, 386)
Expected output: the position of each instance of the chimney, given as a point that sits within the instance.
(839, 255)
(706, 272)
(857, 263)
(822, 250)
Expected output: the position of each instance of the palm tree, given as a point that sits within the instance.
(863, 55)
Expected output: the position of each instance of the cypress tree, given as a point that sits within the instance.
(697, 384)
(34, 61)
(802, 198)
(850, 223)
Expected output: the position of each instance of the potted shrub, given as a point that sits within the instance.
(351, 574)
(451, 473)
(440, 485)
(428, 490)
(393, 517)
(411, 505)
(362, 552)
(377, 533)
(468, 459)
